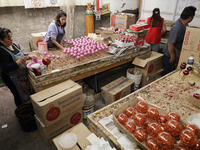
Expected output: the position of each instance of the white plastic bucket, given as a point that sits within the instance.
(136, 77)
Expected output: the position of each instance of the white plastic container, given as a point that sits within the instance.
(42, 47)
(190, 61)
(137, 77)
(67, 140)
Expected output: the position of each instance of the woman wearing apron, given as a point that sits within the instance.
(56, 31)
(13, 65)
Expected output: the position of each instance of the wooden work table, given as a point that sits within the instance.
(171, 93)
(86, 69)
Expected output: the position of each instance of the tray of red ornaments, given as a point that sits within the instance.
(154, 129)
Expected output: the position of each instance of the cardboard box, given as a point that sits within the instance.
(138, 27)
(37, 37)
(105, 9)
(185, 54)
(149, 63)
(146, 79)
(54, 103)
(81, 131)
(122, 20)
(169, 23)
(192, 39)
(48, 133)
(194, 100)
(121, 109)
(116, 90)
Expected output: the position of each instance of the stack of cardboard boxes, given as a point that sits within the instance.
(57, 109)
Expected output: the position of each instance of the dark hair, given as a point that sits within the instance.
(157, 20)
(188, 12)
(59, 15)
(4, 33)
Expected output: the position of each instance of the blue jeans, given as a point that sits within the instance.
(168, 67)
(155, 47)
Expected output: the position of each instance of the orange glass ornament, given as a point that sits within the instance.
(188, 137)
(153, 113)
(153, 129)
(146, 124)
(142, 107)
(139, 119)
(140, 134)
(162, 118)
(130, 111)
(193, 128)
(182, 147)
(162, 126)
(165, 140)
(122, 118)
(173, 127)
(197, 146)
(173, 116)
(130, 126)
(152, 144)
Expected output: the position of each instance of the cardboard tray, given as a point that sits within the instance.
(123, 129)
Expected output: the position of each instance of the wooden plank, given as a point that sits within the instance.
(140, 7)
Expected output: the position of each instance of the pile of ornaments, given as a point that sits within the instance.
(159, 131)
(119, 31)
(187, 70)
(84, 46)
(125, 39)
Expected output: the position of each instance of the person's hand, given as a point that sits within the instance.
(172, 60)
(22, 60)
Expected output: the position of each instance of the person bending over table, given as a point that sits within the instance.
(13, 64)
(56, 31)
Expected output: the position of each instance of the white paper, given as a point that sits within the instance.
(92, 138)
(4, 126)
(108, 124)
(126, 143)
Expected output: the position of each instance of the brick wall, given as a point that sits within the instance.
(22, 22)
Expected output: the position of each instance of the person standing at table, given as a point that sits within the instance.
(156, 28)
(56, 31)
(173, 46)
(13, 64)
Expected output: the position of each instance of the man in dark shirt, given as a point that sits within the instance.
(173, 46)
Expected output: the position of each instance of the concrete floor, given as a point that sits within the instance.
(12, 137)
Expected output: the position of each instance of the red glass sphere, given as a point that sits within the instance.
(152, 144)
(153, 129)
(173, 127)
(139, 119)
(142, 107)
(182, 147)
(188, 137)
(165, 140)
(141, 135)
(162, 118)
(193, 128)
(122, 118)
(173, 116)
(129, 112)
(130, 126)
(153, 113)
